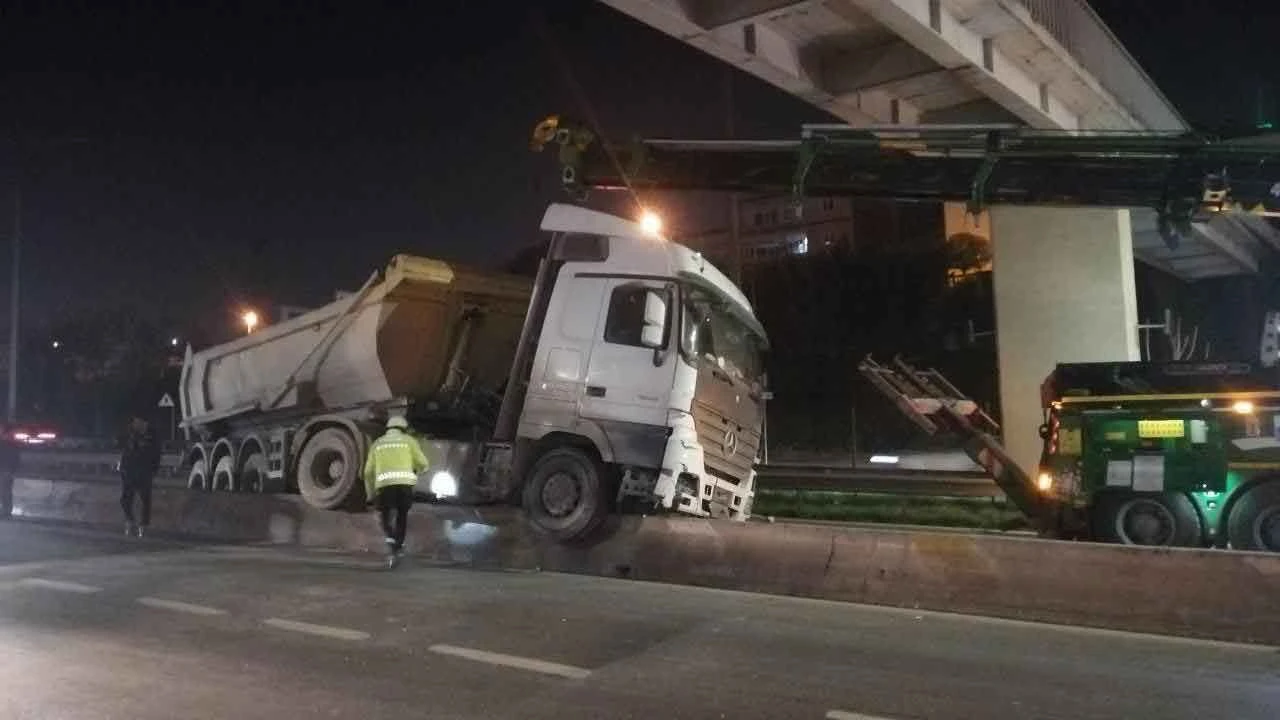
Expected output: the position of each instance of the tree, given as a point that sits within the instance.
(102, 367)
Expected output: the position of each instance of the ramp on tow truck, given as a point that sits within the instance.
(929, 400)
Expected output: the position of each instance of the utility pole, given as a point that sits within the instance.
(15, 294)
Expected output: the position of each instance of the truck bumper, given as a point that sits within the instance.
(685, 486)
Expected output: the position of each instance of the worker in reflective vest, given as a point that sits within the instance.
(390, 472)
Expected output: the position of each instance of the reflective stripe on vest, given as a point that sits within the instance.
(396, 475)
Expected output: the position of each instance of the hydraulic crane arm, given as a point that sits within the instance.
(1181, 176)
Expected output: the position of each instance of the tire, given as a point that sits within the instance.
(253, 476)
(223, 477)
(1254, 522)
(329, 470)
(1165, 520)
(198, 476)
(566, 496)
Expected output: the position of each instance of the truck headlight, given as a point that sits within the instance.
(444, 485)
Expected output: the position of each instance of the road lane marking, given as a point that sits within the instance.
(513, 661)
(176, 606)
(329, 631)
(59, 585)
(844, 715)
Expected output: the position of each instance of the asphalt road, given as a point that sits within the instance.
(95, 627)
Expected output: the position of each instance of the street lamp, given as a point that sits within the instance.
(250, 320)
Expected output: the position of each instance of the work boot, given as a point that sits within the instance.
(130, 529)
(142, 530)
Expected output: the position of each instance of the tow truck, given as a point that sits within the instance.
(1174, 454)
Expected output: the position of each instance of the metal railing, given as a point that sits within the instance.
(1089, 41)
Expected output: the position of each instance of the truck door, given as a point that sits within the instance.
(631, 369)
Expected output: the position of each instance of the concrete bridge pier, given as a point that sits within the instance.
(1064, 292)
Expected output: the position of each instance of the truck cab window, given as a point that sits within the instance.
(625, 321)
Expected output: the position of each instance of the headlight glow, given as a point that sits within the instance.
(444, 484)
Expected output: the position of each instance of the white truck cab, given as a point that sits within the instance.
(642, 376)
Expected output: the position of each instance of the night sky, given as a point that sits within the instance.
(242, 154)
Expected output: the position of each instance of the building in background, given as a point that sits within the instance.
(769, 227)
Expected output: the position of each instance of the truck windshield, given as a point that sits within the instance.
(711, 334)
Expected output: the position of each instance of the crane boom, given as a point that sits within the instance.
(1183, 177)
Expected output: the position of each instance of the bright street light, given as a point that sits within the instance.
(173, 342)
(250, 320)
(651, 223)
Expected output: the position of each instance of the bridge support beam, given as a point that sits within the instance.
(1064, 292)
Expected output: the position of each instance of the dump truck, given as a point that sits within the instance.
(626, 376)
(1183, 454)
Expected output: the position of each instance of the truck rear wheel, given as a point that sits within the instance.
(1168, 519)
(329, 469)
(565, 494)
(223, 477)
(1254, 523)
(198, 476)
(253, 476)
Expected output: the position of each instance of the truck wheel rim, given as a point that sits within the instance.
(327, 468)
(560, 494)
(1266, 529)
(1145, 522)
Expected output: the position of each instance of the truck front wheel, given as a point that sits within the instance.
(1254, 523)
(565, 494)
(1168, 519)
(329, 469)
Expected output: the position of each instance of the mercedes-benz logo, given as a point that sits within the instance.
(730, 442)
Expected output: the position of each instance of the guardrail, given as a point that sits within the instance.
(83, 465)
(888, 482)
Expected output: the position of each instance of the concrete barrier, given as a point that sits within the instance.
(1201, 593)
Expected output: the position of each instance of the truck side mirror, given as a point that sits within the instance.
(655, 319)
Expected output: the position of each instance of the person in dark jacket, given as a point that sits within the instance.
(139, 461)
(10, 454)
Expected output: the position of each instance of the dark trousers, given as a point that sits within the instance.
(6, 493)
(394, 501)
(138, 486)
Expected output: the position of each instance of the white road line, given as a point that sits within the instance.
(59, 585)
(514, 661)
(176, 606)
(328, 631)
(843, 715)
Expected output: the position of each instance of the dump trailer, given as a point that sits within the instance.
(626, 376)
(1171, 454)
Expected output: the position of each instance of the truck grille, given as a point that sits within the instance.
(729, 449)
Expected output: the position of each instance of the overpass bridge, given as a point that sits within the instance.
(1045, 64)
(1064, 280)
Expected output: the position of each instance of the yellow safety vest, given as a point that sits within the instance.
(396, 458)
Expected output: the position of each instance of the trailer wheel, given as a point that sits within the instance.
(565, 494)
(1254, 523)
(329, 469)
(1168, 519)
(223, 477)
(198, 476)
(253, 476)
